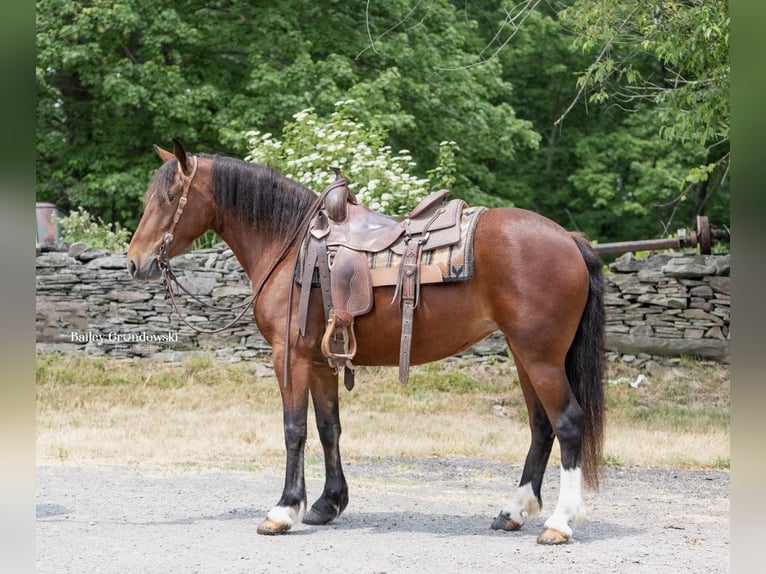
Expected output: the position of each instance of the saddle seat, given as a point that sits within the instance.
(339, 239)
(365, 230)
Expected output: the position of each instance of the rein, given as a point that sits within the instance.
(169, 278)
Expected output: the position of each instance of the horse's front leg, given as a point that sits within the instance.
(324, 393)
(292, 505)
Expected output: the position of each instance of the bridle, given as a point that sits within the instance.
(169, 277)
(163, 258)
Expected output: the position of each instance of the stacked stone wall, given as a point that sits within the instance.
(666, 305)
(670, 305)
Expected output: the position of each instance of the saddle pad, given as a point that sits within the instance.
(454, 261)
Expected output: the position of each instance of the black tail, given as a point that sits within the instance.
(585, 367)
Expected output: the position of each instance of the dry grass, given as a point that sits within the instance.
(217, 415)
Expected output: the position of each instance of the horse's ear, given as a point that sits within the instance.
(180, 154)
(164, 154)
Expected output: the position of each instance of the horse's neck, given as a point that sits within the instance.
(256, 252)
(259, 246)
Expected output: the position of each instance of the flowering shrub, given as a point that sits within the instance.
(81, 226)
(381, 179)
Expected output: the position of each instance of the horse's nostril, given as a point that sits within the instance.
(132, 268)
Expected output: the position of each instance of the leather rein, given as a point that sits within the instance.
(169, 277)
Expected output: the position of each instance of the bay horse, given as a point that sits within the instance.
(537, 283)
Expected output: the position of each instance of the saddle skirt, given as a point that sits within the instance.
(453, 260)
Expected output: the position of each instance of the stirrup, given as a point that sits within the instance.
(343, 324)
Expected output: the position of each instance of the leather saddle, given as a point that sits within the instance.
(336, 249)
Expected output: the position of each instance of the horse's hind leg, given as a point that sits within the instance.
(526, 502)
(553, 412)
(555, 394)
(334, 498)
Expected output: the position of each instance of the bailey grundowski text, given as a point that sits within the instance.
(113, 337)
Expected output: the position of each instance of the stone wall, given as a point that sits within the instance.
(668, 305)
(87, 301)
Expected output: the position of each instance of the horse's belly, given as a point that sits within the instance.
(444, 323)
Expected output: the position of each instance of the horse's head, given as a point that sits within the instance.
(178, 208)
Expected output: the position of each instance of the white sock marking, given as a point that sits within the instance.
(523, 504)
(570, 506)
(287, 515)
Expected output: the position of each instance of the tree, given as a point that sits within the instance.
(613, 164)
(673, 55)
(379, 177)
(112, 79)
(687, 40)
(115, 78)
(403, 65)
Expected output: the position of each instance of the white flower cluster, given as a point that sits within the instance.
(380, 178)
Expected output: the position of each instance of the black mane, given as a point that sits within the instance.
(260, 196)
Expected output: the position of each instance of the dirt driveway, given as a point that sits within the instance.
(404, 515)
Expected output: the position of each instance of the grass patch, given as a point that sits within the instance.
(202, 413)
(695, 396)
(440, 378)
(611, 459)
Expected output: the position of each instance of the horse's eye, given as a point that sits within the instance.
(172, 192)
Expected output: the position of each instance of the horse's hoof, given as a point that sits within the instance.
(271, 528)
(503, 523)
(552, 536)
(326, 509)
(315, 518)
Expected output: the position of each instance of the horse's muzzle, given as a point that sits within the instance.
(143, 272)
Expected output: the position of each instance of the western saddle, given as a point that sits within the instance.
(335, 254)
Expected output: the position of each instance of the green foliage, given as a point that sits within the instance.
(609, 167)
(628, 174)
(674, 54)
(206, 240)
(115, 78)
(379, 177)
(444, 175)
(82, 226)
(611, 459)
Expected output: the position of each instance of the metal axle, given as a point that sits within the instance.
(703, 238)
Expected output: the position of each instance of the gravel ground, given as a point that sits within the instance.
(404, 515)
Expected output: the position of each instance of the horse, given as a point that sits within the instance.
(537, 283)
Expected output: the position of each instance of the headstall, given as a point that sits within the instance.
(169, 278)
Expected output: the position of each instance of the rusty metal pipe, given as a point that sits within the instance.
(704, 237)
(644, 245)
